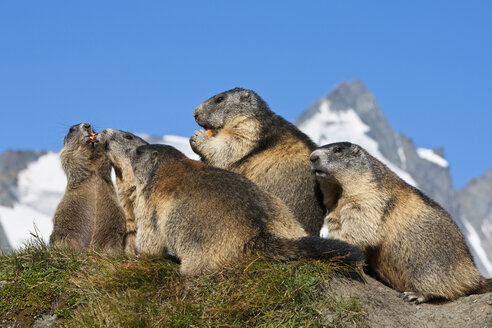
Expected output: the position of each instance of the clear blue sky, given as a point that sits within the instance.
(143, 66)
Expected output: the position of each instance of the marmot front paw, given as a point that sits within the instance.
(198, 139)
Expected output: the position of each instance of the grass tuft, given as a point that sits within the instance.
(92, 289)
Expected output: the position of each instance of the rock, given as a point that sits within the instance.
(47, 321)
(383, 308)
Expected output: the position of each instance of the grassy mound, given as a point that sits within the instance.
(91, 289)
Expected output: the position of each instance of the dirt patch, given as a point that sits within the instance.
(383, 308)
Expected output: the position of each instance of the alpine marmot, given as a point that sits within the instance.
(411, 242)
(89, 214)
(251, 140)
(118, 145)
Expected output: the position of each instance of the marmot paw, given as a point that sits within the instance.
(412, 296)
(197, 139)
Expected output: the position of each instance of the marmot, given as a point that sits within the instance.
(411, 242)
(118, 145)
(209, 217)
(251, 140)
(89, 213)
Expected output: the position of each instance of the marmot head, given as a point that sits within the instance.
(214, 113)
(339, 162)
(118, 145)
(80, 134)
(146, 159)
(81, 153)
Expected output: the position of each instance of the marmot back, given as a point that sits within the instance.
(251, 140)
(210, 218)
(411, 242)
(89, 213)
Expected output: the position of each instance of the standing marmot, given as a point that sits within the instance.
(253, 141)
(209, 217)
(89, 213)
(410, 242)
(118, 145)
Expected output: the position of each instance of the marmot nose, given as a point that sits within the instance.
(314, 158)
(195, 112)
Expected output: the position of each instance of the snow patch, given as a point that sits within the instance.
(402, 156)
(429, 155)
(42, 184)
(475, 242)
(18, 223)
(40, 187)
(324, 232)
(328, 126)
(487, 227)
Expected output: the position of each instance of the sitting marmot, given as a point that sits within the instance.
(410, 242)
(251, 140)
(89, 213)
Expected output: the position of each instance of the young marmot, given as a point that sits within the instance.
(410, 241)
(118, 144)
(209, 217)
(251, 140)
(89, 213)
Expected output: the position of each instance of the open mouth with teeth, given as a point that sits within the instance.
(92, 139)
(319, 172)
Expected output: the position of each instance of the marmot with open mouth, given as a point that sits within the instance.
(249, 139)
(89, 214)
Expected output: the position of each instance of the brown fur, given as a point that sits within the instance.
(89, 214)
(251, 140)
(209, 217)
(117, 145)
(410, 242)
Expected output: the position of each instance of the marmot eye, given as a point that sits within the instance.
(337, 149)
(219, 100)
(71, 129)
(87, 125)
(129, 137)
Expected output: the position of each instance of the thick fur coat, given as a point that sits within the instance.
(209, 217)
(410, 241)
(89, 214)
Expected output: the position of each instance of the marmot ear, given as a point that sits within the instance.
(355, 149)
(245, 95)
(154, 155)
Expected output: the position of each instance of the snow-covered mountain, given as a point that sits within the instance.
(32, 183)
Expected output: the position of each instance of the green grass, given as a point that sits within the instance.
(91, 289)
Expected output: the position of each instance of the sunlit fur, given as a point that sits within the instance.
(251, 140)
(410, 241)
(209, 217)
